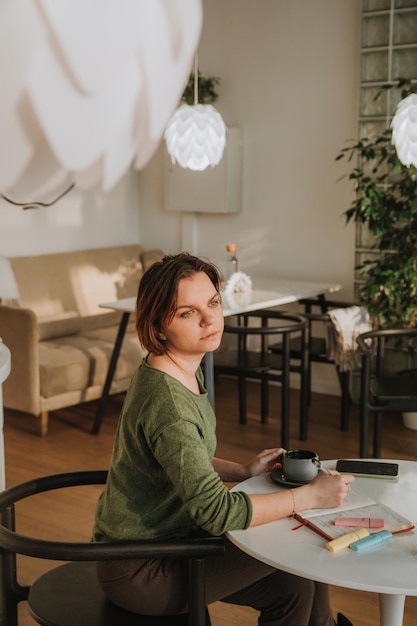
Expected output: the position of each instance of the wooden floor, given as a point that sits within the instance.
(70, 446)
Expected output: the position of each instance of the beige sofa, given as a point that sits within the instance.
(59, 337)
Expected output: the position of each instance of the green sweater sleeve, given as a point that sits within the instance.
(161, 480)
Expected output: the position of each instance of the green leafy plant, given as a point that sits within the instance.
(386, 201)
(207, 93)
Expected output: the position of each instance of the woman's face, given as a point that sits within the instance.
(197, 325)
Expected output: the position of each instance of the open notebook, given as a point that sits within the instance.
(355, 505)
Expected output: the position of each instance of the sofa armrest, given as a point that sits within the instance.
(19, 331)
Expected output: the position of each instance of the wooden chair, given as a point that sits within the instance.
(245, 361)
(70, 595)
(383, 389)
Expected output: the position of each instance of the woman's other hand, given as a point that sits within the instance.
(265, 461)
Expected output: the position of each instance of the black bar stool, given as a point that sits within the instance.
(245, 361)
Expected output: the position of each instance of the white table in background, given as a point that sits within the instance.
(390, 571)
(266, 293)
(5, 361)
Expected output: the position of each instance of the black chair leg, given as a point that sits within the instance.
(377, 435)
(303, 414)
(308, 384)
(264, 401)
(344, 379)
(197, 609)
(363, 445)
(285, 414)
(305, 392)
(242, 400)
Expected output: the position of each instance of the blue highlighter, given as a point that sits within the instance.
(371, 542)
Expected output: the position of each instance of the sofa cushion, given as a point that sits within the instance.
(51, 326)
(131, 352)
(76, 362)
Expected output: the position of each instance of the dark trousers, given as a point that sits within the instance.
(159, 587)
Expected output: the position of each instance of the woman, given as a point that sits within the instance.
(165, 482)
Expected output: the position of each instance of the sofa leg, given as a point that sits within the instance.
(44, 423)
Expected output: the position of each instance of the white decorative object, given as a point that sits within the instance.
(238, 290)
(196, 134)
(404, 130)
(88, 86)
(347, 324)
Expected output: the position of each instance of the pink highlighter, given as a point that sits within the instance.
(359, 522)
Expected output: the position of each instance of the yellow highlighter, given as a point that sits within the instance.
(340, 543)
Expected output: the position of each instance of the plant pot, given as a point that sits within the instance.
(410, 420)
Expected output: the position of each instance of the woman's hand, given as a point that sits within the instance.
(328, 490)
(324, 492)
(265, 461)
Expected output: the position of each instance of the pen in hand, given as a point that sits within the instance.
(321, 467)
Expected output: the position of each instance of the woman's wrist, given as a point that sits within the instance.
(244, 472)
(304, 499)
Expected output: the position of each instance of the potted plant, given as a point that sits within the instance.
(207, 93)
(386, 203)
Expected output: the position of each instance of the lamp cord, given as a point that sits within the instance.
(196, 79)
(36, 205)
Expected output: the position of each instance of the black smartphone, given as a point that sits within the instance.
(369, 469)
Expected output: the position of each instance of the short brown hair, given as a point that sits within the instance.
(158, 292)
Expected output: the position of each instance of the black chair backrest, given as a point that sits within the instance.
(13, 543)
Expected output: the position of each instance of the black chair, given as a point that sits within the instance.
(245, 361)
(70, 595)
(384, 387)
(320, 325)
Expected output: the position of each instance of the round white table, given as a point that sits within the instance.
(5, 361)
(390, 571)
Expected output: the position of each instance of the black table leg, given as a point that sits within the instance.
(110, 372)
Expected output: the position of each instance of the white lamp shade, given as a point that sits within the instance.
(196, 136)
(88, 86)
(404, 130)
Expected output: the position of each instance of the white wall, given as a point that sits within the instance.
(89, 219)
(289, 78)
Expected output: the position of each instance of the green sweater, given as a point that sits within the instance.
(161, 482)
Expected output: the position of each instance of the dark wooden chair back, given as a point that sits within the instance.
(70, 594)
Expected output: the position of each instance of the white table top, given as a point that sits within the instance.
(391, 569)
(266, 292)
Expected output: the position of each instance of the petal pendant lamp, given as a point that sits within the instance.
(404, 130)
(196, 134)
(87, 87)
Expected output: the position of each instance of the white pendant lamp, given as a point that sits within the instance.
(196, 134)
(87, 88)
(404, 130)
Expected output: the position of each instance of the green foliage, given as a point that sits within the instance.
(207, 93)
(386, 202)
